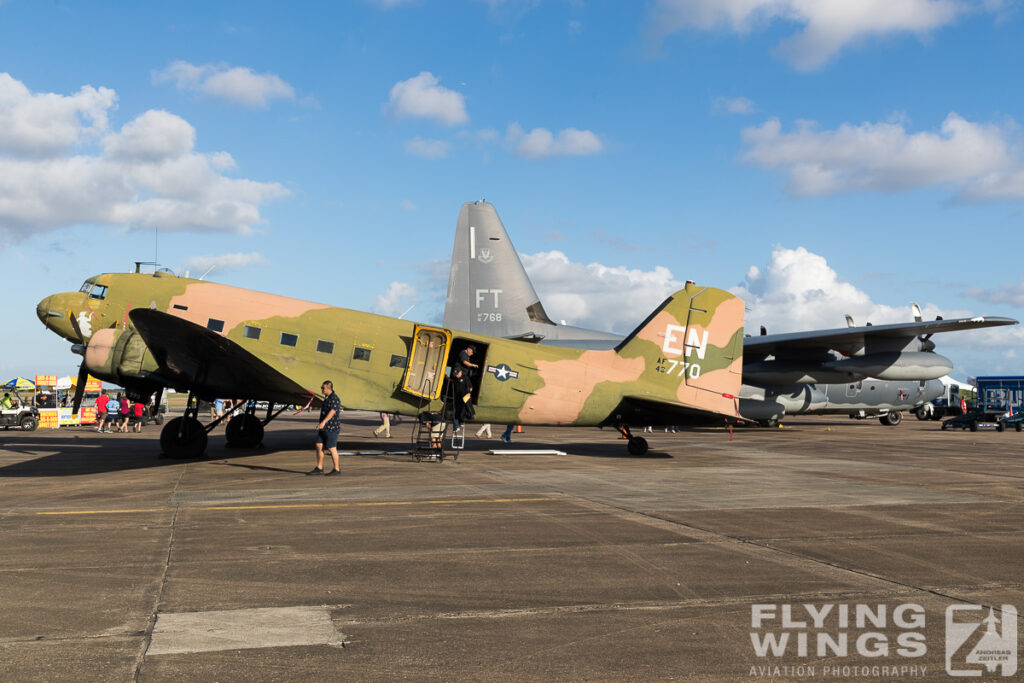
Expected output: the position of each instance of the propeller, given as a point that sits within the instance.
(916, 311)
(849, 320)
(76, 326)
(83, 377)
(83, 372)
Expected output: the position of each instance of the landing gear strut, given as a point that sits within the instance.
(637, 445)
(184, 437)
(246, 430)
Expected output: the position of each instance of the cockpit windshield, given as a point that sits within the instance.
(94, 290)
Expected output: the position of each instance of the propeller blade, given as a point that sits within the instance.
(849, 320)
(916, 310)
(76, 326)
(83, 377)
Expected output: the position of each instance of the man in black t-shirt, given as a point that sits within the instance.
(466, 362)
(327, 429)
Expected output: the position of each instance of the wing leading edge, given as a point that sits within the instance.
(847, 338)
(196, 359)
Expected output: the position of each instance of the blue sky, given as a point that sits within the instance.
(819, 157)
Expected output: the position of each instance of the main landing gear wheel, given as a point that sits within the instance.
(637, 445)
(183, 437)
(892, 418)
(244, 431)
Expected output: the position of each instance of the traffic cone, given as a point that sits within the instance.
(519, 429)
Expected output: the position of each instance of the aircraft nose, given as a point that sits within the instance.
(43, 309)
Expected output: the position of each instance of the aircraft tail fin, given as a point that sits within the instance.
(693, 346)
(488, 289)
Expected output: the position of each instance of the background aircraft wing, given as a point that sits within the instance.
(196, 359)
(846, 339)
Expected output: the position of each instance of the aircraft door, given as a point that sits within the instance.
(427, 359)
(853, 388)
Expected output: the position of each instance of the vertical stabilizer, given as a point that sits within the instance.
(488, 289)
(693, 348)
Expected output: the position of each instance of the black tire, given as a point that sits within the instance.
(1018, 426)
(943, 426)
(974, 425)
(28, 423)
(936, 415)
(922, 413)
(1000, 427)
(159, 419)
(244, 431)
(190, 443)
(892, 418)
(637, 445)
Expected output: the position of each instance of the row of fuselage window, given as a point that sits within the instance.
(289, 339)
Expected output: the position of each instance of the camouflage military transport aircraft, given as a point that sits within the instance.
(860, 371)
(147, 332)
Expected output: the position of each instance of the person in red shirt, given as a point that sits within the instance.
(101, 410)
(137, 411)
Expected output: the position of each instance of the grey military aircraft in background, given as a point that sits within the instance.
(866, 371)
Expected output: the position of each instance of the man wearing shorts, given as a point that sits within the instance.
(327, 429)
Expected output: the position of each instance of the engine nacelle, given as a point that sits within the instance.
(906, 365)
(120, 357)
(772, 402)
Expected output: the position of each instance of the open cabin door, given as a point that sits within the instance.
(425, 374)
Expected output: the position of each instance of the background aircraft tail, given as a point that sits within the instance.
(488, 289)
(693, 348)
(490, 293)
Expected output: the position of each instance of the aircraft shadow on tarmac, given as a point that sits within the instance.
(84, 452)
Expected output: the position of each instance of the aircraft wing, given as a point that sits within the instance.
(849, 339)
(197, 359)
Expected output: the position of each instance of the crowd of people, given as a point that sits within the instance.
(118, 413)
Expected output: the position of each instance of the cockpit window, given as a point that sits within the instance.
(86, 286)
(98, 292)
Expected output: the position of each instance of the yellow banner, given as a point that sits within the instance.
(48, 419)
(46, 380)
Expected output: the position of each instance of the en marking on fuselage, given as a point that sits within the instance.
(694, 342)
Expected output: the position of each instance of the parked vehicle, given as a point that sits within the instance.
(24, 417)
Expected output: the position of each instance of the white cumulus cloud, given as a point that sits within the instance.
(422, 97)
(237, 84)
(973, 158)
(596, 296)
(398, 298)
(428, 149)
(825, 27)
(541, 143)
(146, 174)
(199, 265)
(44, 124)
(797, 290)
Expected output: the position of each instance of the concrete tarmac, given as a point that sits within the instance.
(117, 565)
